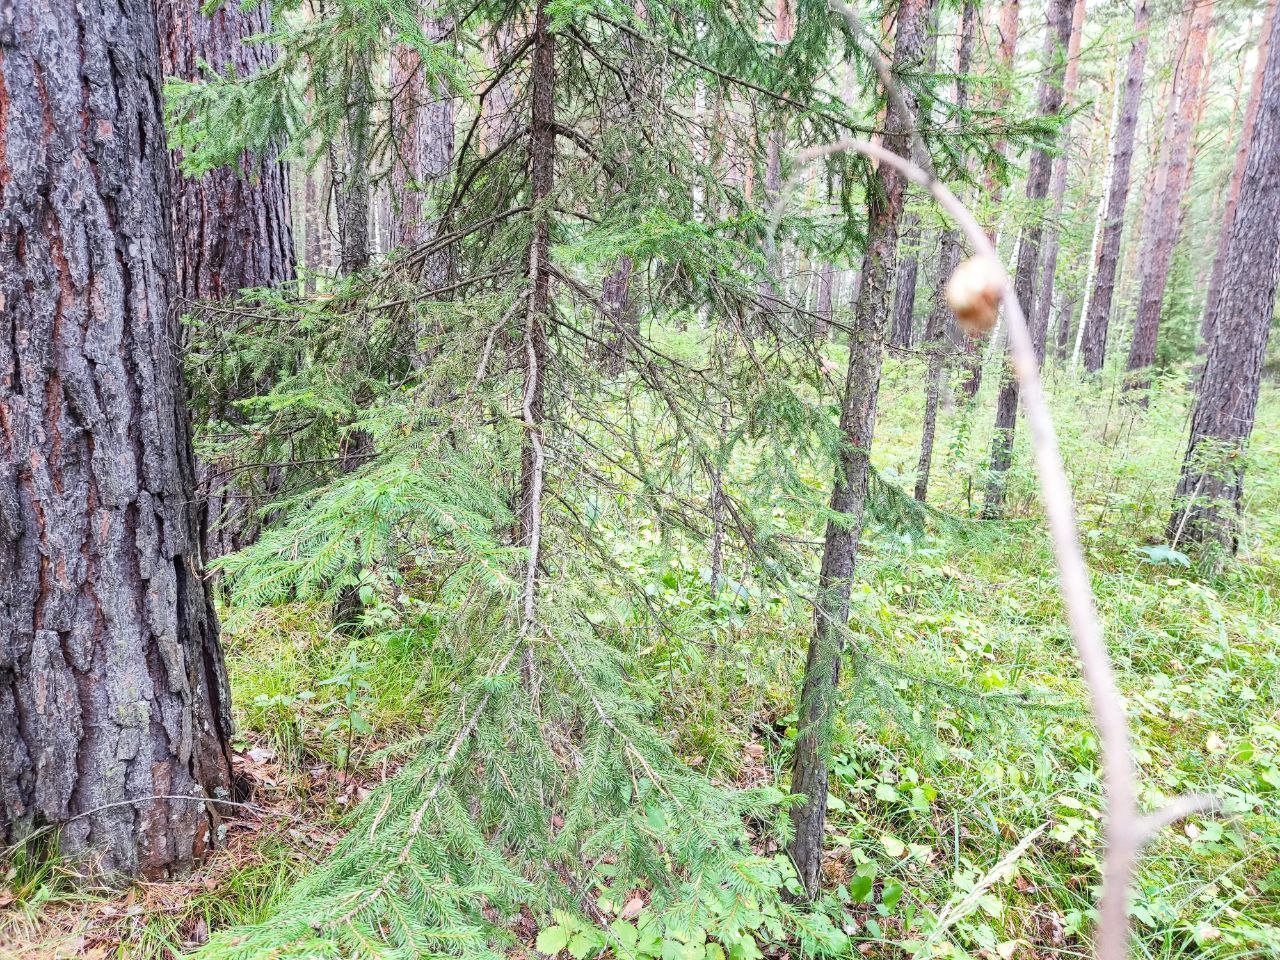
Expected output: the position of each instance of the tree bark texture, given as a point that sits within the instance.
(1237, 176)
(232, 227)
(1058, 189)
(1039, 170)
(1164, 212)
(857, 422)
(349, 168)
(993, 189)
(1098, 316)
(114, 713)
(542, 155)
(423, 117)
(951, 249)
(1210, 490)
(904, 297)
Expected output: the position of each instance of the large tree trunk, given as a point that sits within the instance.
(857, 422)
(992, 187)
(1058, 189)
(1208, 498)
(1098, 315)
(232, 227)
(1237, 176)
(1164, 214)
(935, 330)
(1039, 170)
(114, 713)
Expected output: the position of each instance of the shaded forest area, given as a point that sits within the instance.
(640, 481)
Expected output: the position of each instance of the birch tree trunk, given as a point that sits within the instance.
(114, 710)
(857, 422)
(1208, 498)
(1098, 316)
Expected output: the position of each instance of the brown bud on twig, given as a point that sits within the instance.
(974, 292)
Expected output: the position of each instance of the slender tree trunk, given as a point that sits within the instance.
(423, 117)
(1039, 170)
(114, 713)
(1208, 499)
(1100, 218)
(857, 421)
(315, 249)
(1058, 189)
(993, 187)
(1094, 342)
(349, 167)
(1165, 211)
(826, 299)
(783, 29)
(542, 151)
(1237, 177)
(935, 332)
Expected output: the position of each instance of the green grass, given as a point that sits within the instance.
(964, 729)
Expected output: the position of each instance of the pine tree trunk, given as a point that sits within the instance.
(904, 299)
(1208, 498)
(826, 300)
(423, 119)
(857, 421)
(1058, 190)
(1237, 176)
(114, 713)
(349, 167)
(1165, 211)
(993, 189)
(1098, 315)
(1039, 171)
(951, 249)
(232, 227)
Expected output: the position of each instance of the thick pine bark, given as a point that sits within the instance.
(232, 227)
(857, 422)
(951, 249)
(114, 714)
(1164, 213)
(1208, 498)
(1098, 315)
(1237, 176)
(1058, 189)
(1039, 170)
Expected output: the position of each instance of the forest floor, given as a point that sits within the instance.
(988, 743)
